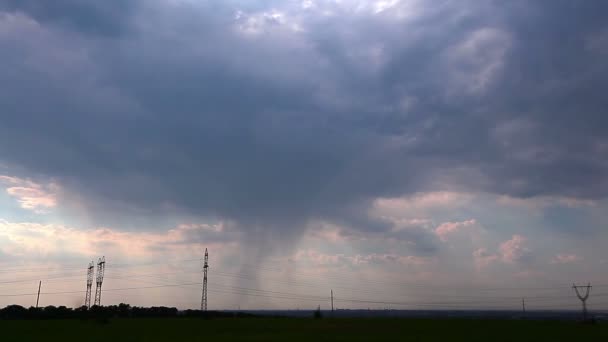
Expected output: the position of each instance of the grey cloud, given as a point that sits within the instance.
(367, 233)
(106, 18)
(183, 114)
(198, 234)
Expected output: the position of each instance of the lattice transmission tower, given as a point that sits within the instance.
(583, 297)
(90, 271)
(101, 267)
(205, 268)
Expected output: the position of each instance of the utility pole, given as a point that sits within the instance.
(38, 298)
(523, 305)
(332, 301)
(584, 297)
(90, 272)
(101, 267)
(205, 268)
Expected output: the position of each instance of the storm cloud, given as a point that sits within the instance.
(271, 115)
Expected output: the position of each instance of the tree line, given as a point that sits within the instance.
(122, 310)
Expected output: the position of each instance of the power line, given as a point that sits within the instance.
(384, 283)
(279, 295)
(509, 301)
(485, 301)
(62, 276)
(490, 300)
(401, 283)
(106, 290)
(284, 295)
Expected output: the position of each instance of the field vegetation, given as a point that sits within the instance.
(298, 329)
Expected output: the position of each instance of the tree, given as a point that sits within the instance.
(317, 313)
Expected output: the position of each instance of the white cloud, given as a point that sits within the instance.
(421, 201)
(475, 62)
(391, 258)
(266, 21)
(447, 228)
(34, 240)
(483, 258)
(514, 250)
(564, 258)
(317, 258)
(383, 5)
(31, 195)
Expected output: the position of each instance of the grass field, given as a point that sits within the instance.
(292, 329)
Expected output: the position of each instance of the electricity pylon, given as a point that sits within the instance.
(90, 271)
(205, 268)
(101, 267)
(584, 297)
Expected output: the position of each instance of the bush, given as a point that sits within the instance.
(317, 313)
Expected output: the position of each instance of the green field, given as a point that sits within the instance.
(291, 329)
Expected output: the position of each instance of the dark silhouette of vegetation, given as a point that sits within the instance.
(301, 329)
(17, 312)
(317, 313)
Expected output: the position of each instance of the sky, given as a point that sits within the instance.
(404, 153)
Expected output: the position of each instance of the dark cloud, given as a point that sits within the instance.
(271, 126)
(365, 232)
(82, 16)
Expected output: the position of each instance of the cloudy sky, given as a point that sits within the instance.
(404, 153)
